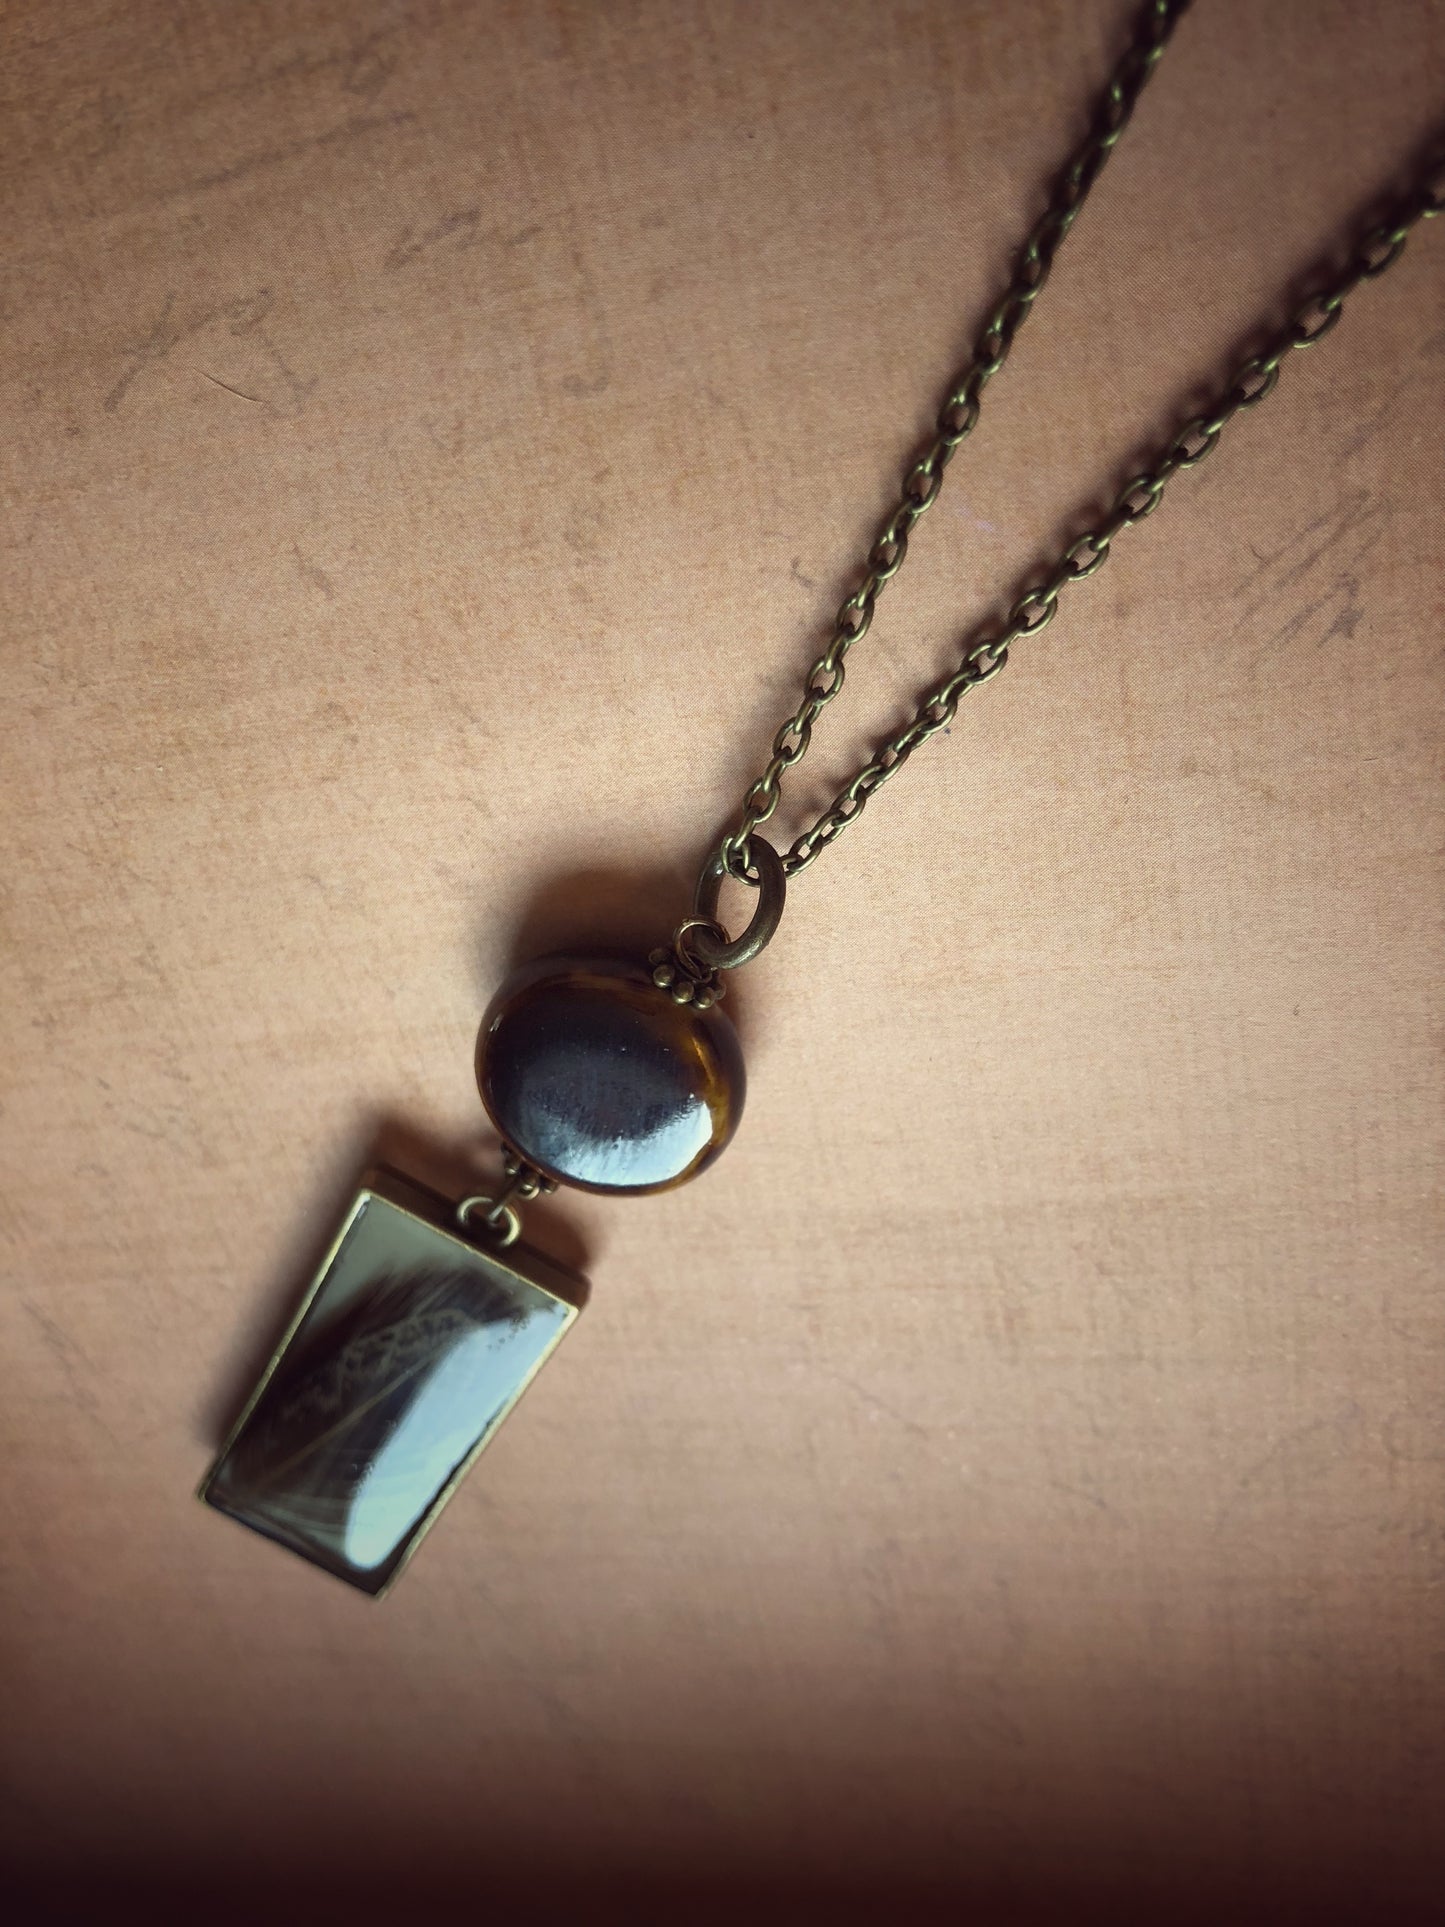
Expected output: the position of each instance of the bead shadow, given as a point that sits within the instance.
(625, 913)
(453, 1169)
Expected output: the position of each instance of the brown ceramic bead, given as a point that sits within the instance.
(601, 1080)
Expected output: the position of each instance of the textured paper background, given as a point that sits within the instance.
(436, 435)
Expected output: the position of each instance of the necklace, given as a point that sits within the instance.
(427, 1318)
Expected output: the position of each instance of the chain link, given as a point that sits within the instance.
(957, 419)
(1252, 381)
(1037, 607)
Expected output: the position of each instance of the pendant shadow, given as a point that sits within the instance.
(452, 1169)
(610, 911)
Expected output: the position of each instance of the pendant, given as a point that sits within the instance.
(428, 1320)
(410, 1347)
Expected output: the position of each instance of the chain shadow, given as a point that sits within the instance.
(608, 910)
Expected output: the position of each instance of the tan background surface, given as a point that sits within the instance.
(436, 436)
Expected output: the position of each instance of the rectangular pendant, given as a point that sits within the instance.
(411, 1345)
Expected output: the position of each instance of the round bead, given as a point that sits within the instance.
(600, 1079)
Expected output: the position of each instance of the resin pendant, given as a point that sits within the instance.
(600, 1079)
(411, 1346)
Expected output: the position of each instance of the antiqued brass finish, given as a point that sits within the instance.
(408, 1350)
(702, 931)
(1036, 607)
(690, 969)
(500, 1219)
(681, 972)
(501, 1222)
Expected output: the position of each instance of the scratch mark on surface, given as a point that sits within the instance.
(1416, 1437)
(317, 577)
(246, 317)
(579, 386)
(1344, 622)
(233, 391)
(448, 438)
(1347, 531)
(355, 129)
(78, 1370)
(113, 116)
(1363, 431)
(878, 1404)
(1335, 520)
(57, 1338)
(1311, 1447)
(365, 67)
(1082, 1492)
(461, 225)
(155, 347)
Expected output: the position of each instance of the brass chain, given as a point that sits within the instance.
(1036, 608)
(957, 419)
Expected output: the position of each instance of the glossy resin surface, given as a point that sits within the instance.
(409, 1350)
(599, 1079)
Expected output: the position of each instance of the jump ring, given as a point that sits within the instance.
(684, 943)
(772, 890)
(502, 1222)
